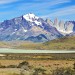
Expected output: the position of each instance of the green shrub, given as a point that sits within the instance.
(39, 71)
(62, 71)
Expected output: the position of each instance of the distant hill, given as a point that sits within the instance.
(65, 43)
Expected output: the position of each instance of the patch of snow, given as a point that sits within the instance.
(25, 30)
(64, 31)
(32, 18)
(12, 33)
(32, 24)
(36, 22)
(15, 29)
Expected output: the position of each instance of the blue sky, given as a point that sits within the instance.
(63, 9)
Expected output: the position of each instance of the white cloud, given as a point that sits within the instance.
(7, 1)
(40, 7)
(54, 2)
(34, 7)
(61, 12)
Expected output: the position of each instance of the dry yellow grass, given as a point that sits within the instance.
(49, 62)
(48, 65)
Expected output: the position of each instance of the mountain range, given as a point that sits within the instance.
(30, 27)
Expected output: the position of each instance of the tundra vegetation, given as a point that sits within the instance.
(37, 64)
(26, 69)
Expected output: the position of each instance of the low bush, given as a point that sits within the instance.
(12, 66)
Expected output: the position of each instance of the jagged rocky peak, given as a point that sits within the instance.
(64, 27)
(49, 21)
(56, 22)
(69, 26)
(61, 25)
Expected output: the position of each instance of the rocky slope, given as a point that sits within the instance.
(28, 27)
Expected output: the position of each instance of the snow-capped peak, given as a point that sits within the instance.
(32, 18)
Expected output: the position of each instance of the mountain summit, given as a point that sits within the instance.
(29, 27)
(32, 18)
